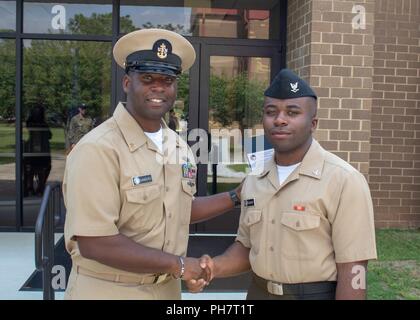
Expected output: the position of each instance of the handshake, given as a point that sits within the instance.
(198, 273)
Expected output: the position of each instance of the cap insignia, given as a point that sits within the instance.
(294, 87)
(162, 51)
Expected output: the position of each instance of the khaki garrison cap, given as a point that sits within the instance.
(154, 51)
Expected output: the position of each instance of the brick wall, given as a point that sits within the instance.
(299, 16)
(368, 85)
(394, 173)
(337, 61)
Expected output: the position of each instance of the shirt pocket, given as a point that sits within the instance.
(143, 209)
(253, 221)
(299, 235)
(188, 186)
(143, 195)
(188, 190)
(252, 217)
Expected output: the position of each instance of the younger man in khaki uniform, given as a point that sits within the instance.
(306, 228)
(129, 184)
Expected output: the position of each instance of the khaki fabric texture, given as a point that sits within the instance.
(321, 215)
(116, 181)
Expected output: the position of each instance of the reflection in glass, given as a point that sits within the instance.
(68, 17)
(7, 133)
(177, 119)
(58, 77)
(236, 98)
(230, 21)
(8, 16)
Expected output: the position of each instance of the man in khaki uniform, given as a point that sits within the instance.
(80, 124)
(306, 228)
(129, 184)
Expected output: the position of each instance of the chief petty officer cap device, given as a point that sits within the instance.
(154, 51)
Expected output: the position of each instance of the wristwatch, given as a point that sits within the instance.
(234, 197)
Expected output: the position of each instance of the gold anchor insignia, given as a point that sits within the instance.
(162, 51)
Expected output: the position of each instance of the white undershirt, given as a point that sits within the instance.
(156, 137)
(285, 171)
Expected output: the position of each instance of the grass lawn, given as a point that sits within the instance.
(396, 273)
(7, 141)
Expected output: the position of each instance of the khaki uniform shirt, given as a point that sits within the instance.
(79, 126)
(117, 182)
(321, 215)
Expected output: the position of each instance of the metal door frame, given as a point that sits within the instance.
(224, 47)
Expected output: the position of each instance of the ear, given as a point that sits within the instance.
(126, 81)
(314, 123)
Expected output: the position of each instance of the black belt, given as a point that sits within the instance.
(277, 288)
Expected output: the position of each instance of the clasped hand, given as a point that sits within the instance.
(199, 277)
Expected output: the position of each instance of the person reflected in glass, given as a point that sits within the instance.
(37, 159)
(80, 124)
(173, 120)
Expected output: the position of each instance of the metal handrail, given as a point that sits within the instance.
(44, 236)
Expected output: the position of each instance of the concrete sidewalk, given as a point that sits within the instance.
(17, 262)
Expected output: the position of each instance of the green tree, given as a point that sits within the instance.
(183, 91)
(7, 78)
(218, 104)
(237, 99)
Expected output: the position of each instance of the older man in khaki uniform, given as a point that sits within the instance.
(306, 228)
(129, 184)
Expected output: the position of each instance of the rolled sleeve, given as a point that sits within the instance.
(353, 229)
(91, 192)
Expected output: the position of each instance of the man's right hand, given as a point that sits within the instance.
(197, 285)
(195, 270)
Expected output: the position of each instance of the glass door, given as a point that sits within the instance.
(232, 84)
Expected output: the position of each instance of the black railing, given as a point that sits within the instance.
(49, 214)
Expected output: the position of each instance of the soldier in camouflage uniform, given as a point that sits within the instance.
(80, 124)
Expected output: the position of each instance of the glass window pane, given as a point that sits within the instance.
(228, 19)
(58, 76)
(236, 98)
(8, 16)
(7, 133)
(71, 17)
(178, 121)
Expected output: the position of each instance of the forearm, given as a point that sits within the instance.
(123, 253)
(351, 281)
(233, 261)
(204, 208)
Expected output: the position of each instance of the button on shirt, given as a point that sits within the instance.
(115, 182)
(321, 215)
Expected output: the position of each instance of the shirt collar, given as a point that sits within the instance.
(312, 165)
(132, 132)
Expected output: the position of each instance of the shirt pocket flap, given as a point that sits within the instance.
(298, 222)
(252, 217)
(188, 186)
(143, 195)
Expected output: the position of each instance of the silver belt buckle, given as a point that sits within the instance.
(275, 288)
